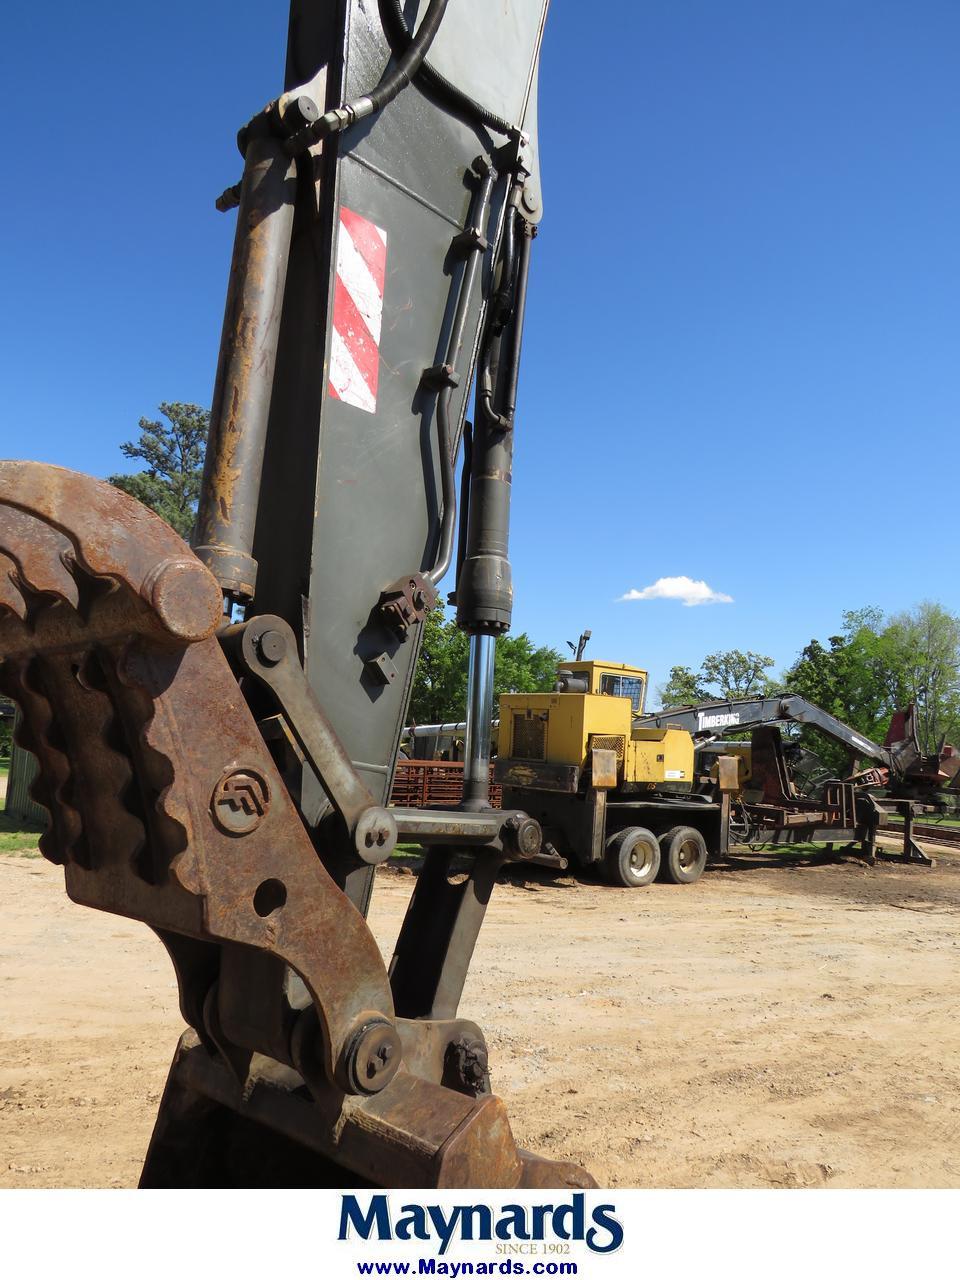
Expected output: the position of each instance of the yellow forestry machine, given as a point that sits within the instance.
(216, 726)
(606, 788)
(656, 794)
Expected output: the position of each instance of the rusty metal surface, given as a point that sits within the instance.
(173, 798)
(426, 784)
(412, 1134)
(243, 389)
(166, 806)
(135, 731)
(267, 648)
(110, 540)
(537, 776)
(603, 767)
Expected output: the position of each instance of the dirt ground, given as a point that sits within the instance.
(770, 1026)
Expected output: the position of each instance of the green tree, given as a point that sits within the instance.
(522, 667)
(440, 680)
(879, 665)
(729, 673)
(924, 650)
(819, 675)
(173, 452)
(827, 675)
(683, 688)
(736, 674)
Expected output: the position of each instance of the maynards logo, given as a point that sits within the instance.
(570, 1219)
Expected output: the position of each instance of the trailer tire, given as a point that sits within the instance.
(683, 855)
(632, 859)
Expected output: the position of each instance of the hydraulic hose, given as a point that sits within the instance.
(428, 77)
(519, 313)
(448, 497)
(502, 304)
(391, 82)
(448, 491)
(514, 307)
(410, 62)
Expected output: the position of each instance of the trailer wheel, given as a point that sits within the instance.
(632, 858)
(683, 855)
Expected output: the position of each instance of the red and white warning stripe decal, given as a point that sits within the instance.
(358, 311)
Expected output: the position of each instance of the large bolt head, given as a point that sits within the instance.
(272, 647)
(525, 835)
(373, 1057)
(375, 835)
(186, 598)
(468, 1058)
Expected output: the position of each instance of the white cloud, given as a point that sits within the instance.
(685, 589)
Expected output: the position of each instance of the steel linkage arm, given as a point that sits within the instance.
(166, 807)
(266, 648)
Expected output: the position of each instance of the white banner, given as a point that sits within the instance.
(589, 1235)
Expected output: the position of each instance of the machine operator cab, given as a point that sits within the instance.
(615, 679)
(549, 741)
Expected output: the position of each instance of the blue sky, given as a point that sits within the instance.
(742, 361)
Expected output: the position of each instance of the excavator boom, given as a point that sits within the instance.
(216, 728)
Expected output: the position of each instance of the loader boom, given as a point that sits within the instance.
(909, 770)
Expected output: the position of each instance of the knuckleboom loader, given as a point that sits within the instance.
(216, 727)
(656, 794)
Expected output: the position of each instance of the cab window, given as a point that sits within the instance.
(624, 687)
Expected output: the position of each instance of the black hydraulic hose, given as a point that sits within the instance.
(448, 497)
(410, 62)
(394, 79)
(502, 416)
(428, 77)
(503, 298)
(519, 309)
(448, 493)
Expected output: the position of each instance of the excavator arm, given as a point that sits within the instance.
(216, 728)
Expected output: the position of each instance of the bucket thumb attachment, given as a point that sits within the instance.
(166, 806)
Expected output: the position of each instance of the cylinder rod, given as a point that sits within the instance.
(476, 760)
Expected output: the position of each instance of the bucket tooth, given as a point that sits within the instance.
(39, 734)
(11, 597)
(110, 535)
(42, 554)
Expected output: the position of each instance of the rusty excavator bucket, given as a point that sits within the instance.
(217, 728)
(167, 807)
